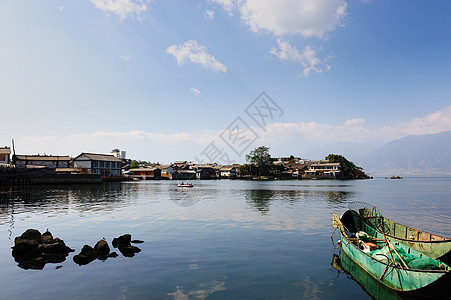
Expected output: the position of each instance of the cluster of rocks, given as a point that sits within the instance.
(101, 250)
(88, 254)
(32, 250)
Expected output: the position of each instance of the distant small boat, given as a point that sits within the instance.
(185, 185)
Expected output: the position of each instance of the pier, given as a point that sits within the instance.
(13, 179)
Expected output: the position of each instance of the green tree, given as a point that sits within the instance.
(350, 170)
(134, 164)
(261, 159)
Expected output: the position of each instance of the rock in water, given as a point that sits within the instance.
(124, 246)
(47, 237)
(123, 240)
(82, 259)
(31, 234)
(33, 250)
(129, 250)
(102, 249)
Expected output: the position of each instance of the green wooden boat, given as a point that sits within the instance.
(371, 285)
(433, 245)
(396, 274)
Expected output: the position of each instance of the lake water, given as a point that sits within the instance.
(218, 240)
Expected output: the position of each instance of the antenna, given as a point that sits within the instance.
(14, 153)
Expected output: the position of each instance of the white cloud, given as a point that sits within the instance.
(353, 130)
(209, 14)
(307, 58)
(353, 122)
(192, 52)
(228, 5)
(123, 8)
(432, 123)
(61, 8)
(299, 17)
(194, 91)
(288, 137)
(125, 57)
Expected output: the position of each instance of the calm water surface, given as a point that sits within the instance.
(218, 240)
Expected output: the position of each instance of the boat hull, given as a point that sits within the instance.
(433, 245)
(393, 277)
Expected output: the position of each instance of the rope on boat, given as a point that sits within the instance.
(389, 245)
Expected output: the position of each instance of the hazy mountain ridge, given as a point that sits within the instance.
(428, 154)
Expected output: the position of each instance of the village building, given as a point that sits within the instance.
(5, 153)
(184, 175)
(49, 161)
(145, 173)
(119, 154)
(103, 164)
(166, 171)
(323, 169)
(292, 170)
(204, 171)
(180, 165)
(227, 172)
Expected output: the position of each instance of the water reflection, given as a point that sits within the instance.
(186, 197)
(261, 199)
(312, 289)
(51, 199)
(367, 282)
(204, 291)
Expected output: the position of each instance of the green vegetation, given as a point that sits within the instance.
(350, 170)
(261, 160)
(134, 164)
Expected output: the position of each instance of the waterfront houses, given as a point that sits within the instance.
(115, 164)
(145, 173)
(49, 161)
(103, 164)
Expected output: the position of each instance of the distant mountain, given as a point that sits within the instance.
(428, 154)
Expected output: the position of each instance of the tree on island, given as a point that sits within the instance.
(134, 164)
(350, 170)
(261, 159)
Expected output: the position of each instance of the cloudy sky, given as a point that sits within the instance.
(210, 80)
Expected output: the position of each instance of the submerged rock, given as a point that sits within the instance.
(129, 250)
(137, 242)
(83, 259)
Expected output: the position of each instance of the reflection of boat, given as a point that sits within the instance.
(434, 246)
(368, 283)
(396, 266)
(185, 185)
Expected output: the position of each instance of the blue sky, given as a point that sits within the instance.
(165, 79)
